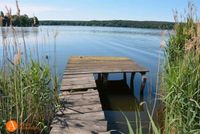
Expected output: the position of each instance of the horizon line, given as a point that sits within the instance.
(109, 20)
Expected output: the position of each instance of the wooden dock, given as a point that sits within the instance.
(82, 111)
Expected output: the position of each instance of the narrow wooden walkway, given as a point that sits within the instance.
(82, 111)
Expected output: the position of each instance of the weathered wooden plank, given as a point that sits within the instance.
(80, 109)
(68, 130)
(77, 80)
(73, 126)
(92, 63)
(78, 87)
(122, 63)
(80, 99)
(93, 116)
(80, 102)
(98, 61)
(74, 82)
(96, 125)
(110, 65)
(80, 96)
(91, 92)
(80, 75)
(88, 92)
(103, 71)
(97, 58)
(75, 76)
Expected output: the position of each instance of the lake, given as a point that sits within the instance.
(61, 42)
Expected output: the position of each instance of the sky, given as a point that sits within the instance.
(141, 10)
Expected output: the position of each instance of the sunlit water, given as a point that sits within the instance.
(61, 42)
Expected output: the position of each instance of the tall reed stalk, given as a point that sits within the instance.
(27, 85)
(181, 78)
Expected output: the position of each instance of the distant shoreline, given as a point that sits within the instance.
(112, 23)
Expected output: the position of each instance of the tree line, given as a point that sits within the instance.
(18, 20)
(113, 23)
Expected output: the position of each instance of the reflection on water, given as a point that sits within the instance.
(7, 32)
(140, 45)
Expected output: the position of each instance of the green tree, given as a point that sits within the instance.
(24, 21)
(15, 20)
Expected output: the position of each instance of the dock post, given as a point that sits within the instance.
(144, 79)
(99, 77)
(124, 77)
(132, 82)
(104, 78)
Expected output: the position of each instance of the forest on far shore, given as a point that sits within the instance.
(113, 23)
(18, 20)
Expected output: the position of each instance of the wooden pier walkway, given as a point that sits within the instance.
(82, 111)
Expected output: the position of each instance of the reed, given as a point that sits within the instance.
(28, 88)
(181, 77)
(180, 80)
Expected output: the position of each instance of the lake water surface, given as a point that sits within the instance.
(61, 42)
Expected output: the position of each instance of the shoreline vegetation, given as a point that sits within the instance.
(112, 23)
(17, 20)
(180, 85)
(178, 95)
(28, 85)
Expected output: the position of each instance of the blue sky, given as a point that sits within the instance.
(156, 10)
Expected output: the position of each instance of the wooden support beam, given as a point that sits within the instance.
(132, 82)
(104, 77)
(144, 79)
(99, 77)
(124, 76)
